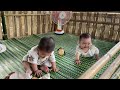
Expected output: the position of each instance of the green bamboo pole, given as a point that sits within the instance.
(4, 26)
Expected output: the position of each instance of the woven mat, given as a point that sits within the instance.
(17, 48)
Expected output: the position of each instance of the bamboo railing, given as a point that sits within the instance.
(111, 69)
(89, 74)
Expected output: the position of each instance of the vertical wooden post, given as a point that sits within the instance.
(17, 25)
(80, 24)
(112, 29)
(4, 26)
(118, 36)
(22, 25)
(34, 23)
(88, 24)
(29, 23)
(103, 28)
(95, 24)
(74, 23)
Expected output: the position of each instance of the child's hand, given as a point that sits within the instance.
(77, 62)
(54, 68)
(97, 57)
(38, 73)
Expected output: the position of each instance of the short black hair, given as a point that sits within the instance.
(46, 44)
(84, 35)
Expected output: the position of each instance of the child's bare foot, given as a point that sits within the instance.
(29, 71)
(8, 76)
(45, 68)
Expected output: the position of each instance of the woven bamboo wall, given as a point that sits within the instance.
(24, 23)
(101, 25)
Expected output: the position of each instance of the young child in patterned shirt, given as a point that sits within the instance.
(41, 55)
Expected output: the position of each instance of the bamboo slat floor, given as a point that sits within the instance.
(11, 59)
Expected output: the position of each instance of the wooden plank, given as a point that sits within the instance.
(50, 23)
(46, 19)
(53, 27)
(5, 13)
(7, 26)
(115, 34)
(77, 24)
(67, 28)
(91, 28)
(103, 28)
(111, 69)
(10, 25)
(98, 31)
(74, 24)
(97, 35)
(3, 25)
(83, 29)
(95, 25)
(106, 31)
(17, 24)
(38, 23)
(34, 23)
(41, 24)
(43, 21)
(88, 24)
(29, 23)
(111, 13)
(80, 24)
(84, 21)
(22, 25)
(70, 27)
(26, 26)
(116, 30)
(1, 28)
(25, 14)
(14, 25)
(118, 35)
(112, 29)
(89, 74)
(92, 16)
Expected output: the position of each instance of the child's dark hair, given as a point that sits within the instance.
(84, 35)
(46, 44)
